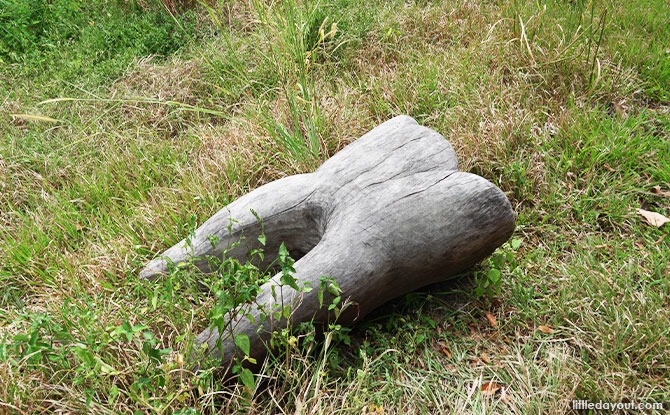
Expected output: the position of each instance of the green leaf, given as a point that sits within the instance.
(247, 379)
(498, 260)
(155, 354)
(85, 355)
(335, 302)
(290, 280)
(106, 369)
(127, 330)
(494, 275)
(283, 253)
(285, 312)
(334, 289)
(113, 393)
(261, 239)
(242, 341)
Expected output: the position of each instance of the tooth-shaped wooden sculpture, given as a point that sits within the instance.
(387, 215)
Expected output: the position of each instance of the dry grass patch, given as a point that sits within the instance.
(176, 80)
(344, 108)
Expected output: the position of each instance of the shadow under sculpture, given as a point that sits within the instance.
(387, 215)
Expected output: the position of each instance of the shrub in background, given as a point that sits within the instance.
(77, 36)
(25, 25)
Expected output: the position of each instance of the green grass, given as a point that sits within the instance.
(67, 45)
(563, 105)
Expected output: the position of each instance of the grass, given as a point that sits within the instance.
(564, 105)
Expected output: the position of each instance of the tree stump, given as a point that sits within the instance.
(387, 215)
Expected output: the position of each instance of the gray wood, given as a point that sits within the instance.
(387, 215)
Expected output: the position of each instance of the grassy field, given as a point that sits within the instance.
(124, 126)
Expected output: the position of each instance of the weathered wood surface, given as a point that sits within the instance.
(387, 215)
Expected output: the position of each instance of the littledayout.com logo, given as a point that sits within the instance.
(613, 406)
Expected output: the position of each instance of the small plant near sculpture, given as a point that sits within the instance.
(234, 286)
(488, 282)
